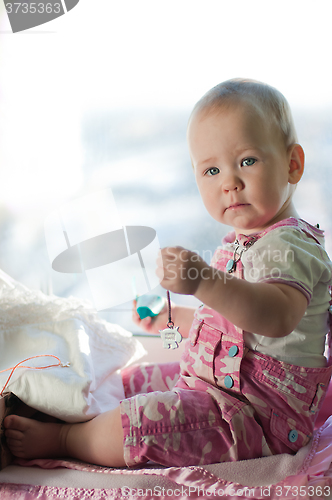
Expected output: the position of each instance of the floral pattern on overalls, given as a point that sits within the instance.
(228, 402)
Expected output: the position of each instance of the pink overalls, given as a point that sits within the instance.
(228, 403)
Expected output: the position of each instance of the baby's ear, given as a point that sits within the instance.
(296, 163)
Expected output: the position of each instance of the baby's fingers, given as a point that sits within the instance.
(135, 316)
(146, 323)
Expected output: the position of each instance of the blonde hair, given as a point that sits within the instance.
(265, 98)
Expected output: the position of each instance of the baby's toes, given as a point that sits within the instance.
(12, 434)
(14, 422)
(16, 448)
(14, 441)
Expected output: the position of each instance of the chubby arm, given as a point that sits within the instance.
(269, 309)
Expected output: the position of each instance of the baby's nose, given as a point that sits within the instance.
(232, 182)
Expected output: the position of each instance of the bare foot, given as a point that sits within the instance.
(98, 441)
(28, 438)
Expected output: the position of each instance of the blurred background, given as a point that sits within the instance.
(100, 98)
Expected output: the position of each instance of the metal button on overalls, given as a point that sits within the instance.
(229, 382)
(233, 351)
(292, 436)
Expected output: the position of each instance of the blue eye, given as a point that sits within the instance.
(213, 171)
(247, 162)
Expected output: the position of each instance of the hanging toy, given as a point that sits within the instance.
(149, 305)
(170, 336)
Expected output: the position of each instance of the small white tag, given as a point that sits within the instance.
(171, 337)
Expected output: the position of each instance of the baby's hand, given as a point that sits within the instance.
(181, 269)
(148, 324)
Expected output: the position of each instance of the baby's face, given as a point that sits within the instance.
(241, 166)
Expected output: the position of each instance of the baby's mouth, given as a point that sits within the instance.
(235, 206)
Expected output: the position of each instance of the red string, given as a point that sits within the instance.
(31, 367)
